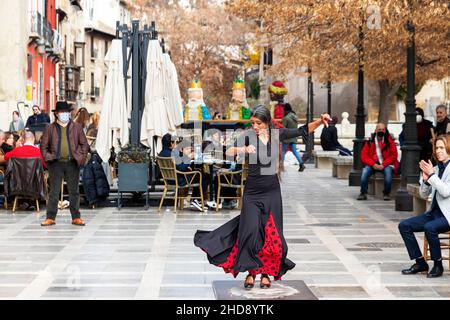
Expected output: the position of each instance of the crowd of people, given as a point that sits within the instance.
(59, 145)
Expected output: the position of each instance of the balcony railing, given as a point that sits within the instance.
(40, 27)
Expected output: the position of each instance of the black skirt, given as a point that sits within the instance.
(253, 241)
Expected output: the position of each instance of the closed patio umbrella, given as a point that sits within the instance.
(174, 103)
(156, 120)
(113, 123)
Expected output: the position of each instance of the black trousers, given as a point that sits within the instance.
(70, 172)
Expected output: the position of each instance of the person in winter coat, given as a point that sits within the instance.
(290, 121)
(64, 148)
(379, 154)
(329, 139)
(95, 183)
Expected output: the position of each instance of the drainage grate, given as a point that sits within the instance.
(364, 249)
(381, 245)
(329, 224)
(297, 241)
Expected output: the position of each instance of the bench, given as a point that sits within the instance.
(420, 205)
(376, 185)
(322, 159)
(342, 165)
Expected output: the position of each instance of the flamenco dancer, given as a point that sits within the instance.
(253, 242)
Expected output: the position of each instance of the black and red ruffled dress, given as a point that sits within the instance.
(253, 241)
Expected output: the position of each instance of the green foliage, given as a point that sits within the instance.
(132, 154)
(254, 89)
(402, 93)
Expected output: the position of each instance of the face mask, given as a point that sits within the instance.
(419, 118)
(380, 134)
(64, 117)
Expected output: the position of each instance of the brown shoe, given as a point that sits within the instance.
(78, 222)
(48, 222)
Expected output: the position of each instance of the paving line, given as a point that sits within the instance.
(153, 274)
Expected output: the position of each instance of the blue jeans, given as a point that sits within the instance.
(343, 151)
(432, 227)
(294, 151)
(368, 171)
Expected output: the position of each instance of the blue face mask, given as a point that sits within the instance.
(64, 117)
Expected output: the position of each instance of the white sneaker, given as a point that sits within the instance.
(213, 204)
(196, 205)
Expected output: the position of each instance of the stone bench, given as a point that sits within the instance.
(376, 185)
(342, 165)
(420, 205)
(322, 159)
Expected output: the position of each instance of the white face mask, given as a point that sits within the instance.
(419, 118)
(64, 117)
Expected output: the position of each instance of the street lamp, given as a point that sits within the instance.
(354, 178)
(410, 149)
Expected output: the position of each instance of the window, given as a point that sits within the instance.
(29, 65)
(92, 47)
(106, 47)
(92, 83)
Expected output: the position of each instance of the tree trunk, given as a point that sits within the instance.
(387, 93)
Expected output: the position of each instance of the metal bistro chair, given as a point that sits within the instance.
(170, 175)
(444, 239)
(227, 179)
(5, 204)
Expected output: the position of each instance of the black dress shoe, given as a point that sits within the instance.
(436, 271)
(416, 268)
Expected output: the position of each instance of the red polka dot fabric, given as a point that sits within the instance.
(270, 255)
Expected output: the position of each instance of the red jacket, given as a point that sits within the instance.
(369, 153)
(26, 151)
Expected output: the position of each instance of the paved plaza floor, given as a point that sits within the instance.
(343, 249)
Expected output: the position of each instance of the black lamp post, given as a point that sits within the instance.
(410, 149)
(354, 178)
(309, 118)
(329, 97)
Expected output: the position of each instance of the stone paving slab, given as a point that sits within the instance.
(343, 249)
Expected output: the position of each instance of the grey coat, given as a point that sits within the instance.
(442, 187)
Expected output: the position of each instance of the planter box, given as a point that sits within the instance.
(133, 177)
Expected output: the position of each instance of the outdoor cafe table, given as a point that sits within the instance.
(210, 162)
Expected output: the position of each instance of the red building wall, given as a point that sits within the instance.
(48, 99)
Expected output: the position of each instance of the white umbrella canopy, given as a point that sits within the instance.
(156, 120)
(113, 123)
(173, 95)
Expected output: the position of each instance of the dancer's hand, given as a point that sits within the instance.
(325, 118)
(249, 149)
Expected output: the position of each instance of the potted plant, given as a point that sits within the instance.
(133, 170)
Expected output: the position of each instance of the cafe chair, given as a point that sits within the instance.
(24, 178)
(170, 176)
(232, 179)
(5, 204)
(444, 239)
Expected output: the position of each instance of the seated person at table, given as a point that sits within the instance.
(168, 144)
(434, 181)
(28, 150)
(186, 164)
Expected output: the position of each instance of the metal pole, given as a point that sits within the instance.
(354, 178)
(309, 118)
(329, 97)
(410, 150)
(135, 101)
